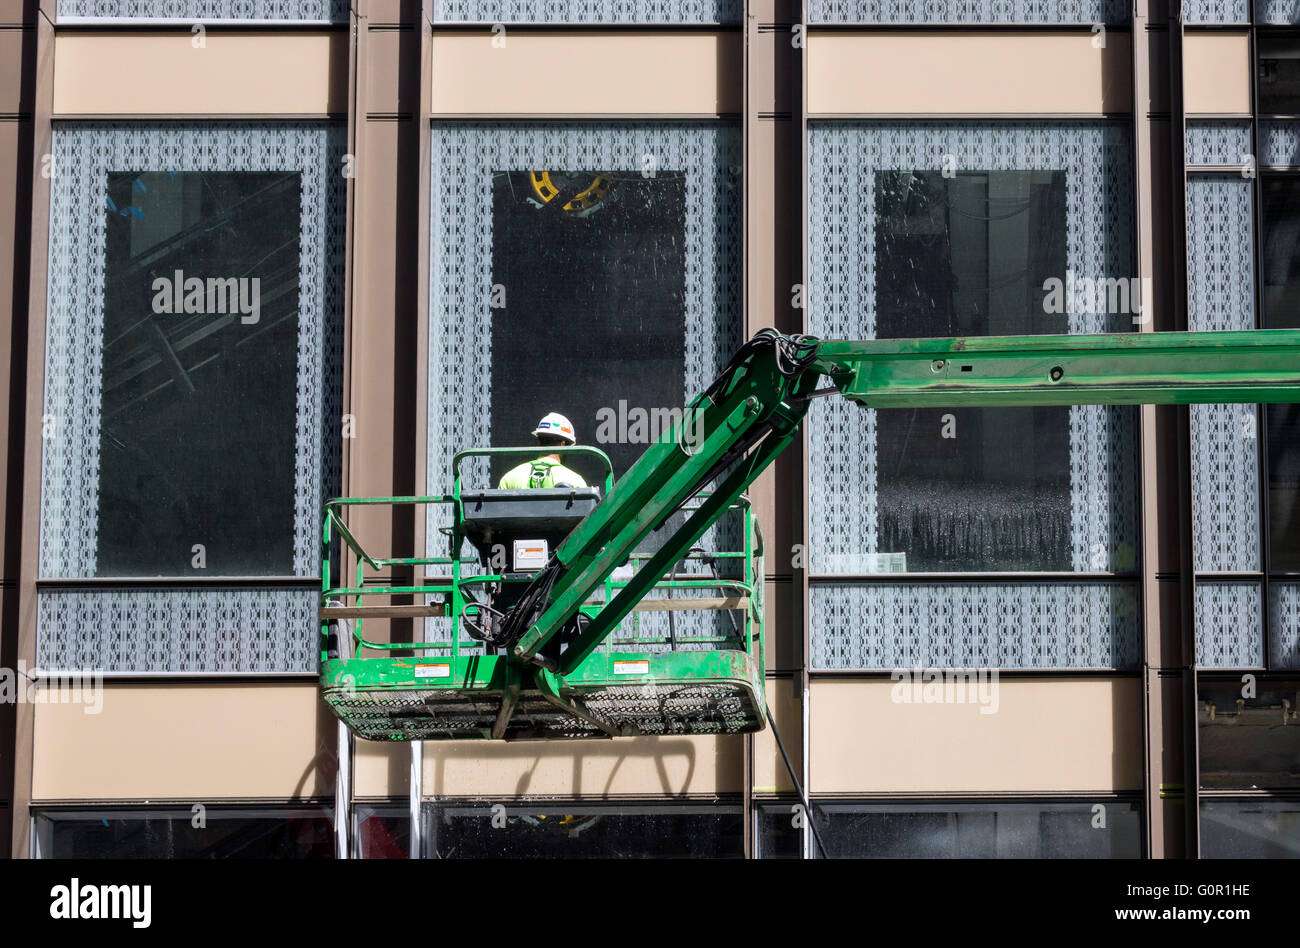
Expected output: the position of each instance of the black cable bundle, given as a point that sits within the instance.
(793, 353)
(530, 606)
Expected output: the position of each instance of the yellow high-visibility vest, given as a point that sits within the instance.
(543, 472)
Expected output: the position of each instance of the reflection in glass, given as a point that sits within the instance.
(201, 277)
(592, 270)
(214, 833)
(1081, 829)
(577, 831)
(1279, 75)
(1251, 740)
(1281, 279)
(968, 254)
(1250, 829)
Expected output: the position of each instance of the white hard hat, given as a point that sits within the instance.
(556, 424)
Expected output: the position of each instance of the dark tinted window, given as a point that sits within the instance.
(1279, 75)
(211, 833)
(968, 254)
(778, 835)
(382, 832)
(1250, 829)
(572, 831)
(1281, 263)
(1249, 737)
(591, 268)
(1064, 830)
(200, 364)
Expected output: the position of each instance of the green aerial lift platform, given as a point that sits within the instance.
(552, 603)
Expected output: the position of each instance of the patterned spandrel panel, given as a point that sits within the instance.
(1221, 296)
(1222, 11)
(967, 11)
(1275, 12)
(876, 626)
(309, 158)
(1218, 144)
(1284, 628)
(130, 202)
(1229, 625)
(205, 11)
(1068, 185)
(1280, 144)
(178, 631)
(587, 11)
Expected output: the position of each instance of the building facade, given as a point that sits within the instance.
(255, 254)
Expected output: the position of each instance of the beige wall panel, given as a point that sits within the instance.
(204, 742)
(967, 73)
(647, 766)
(781, 637)
(1046, 736)
(16, 11)
(1216, 73)
(770, 773)
(237, 73)
(11, 66)
(391, 87)
(392, 11)
(624, 73)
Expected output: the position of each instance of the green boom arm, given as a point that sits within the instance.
(735, 429)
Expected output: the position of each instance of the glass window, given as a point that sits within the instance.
(591, 269)
(1249, 737)
(971, 228)
(193, 388)
(967, 254)
(565, 830)
(1107, 829)
(1279, 74)
(199, 355)
(198, 832)
(382, 832)
(1281, 209)
(1266, 11)
(778, 836)
(1250, 829)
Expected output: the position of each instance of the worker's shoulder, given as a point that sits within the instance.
(516, 477)
(566, 476)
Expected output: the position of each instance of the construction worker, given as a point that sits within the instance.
(552, 431)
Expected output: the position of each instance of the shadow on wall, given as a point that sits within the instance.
(589, 769)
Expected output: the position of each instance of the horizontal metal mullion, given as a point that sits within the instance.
(919, 579)
(305, 582)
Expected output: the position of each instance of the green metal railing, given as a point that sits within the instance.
(361, 572)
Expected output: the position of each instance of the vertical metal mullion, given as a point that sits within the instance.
(1186, 562)
(343, 822)
(747, 133)
(416, 801)
(801, 591)
(1261, 411)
